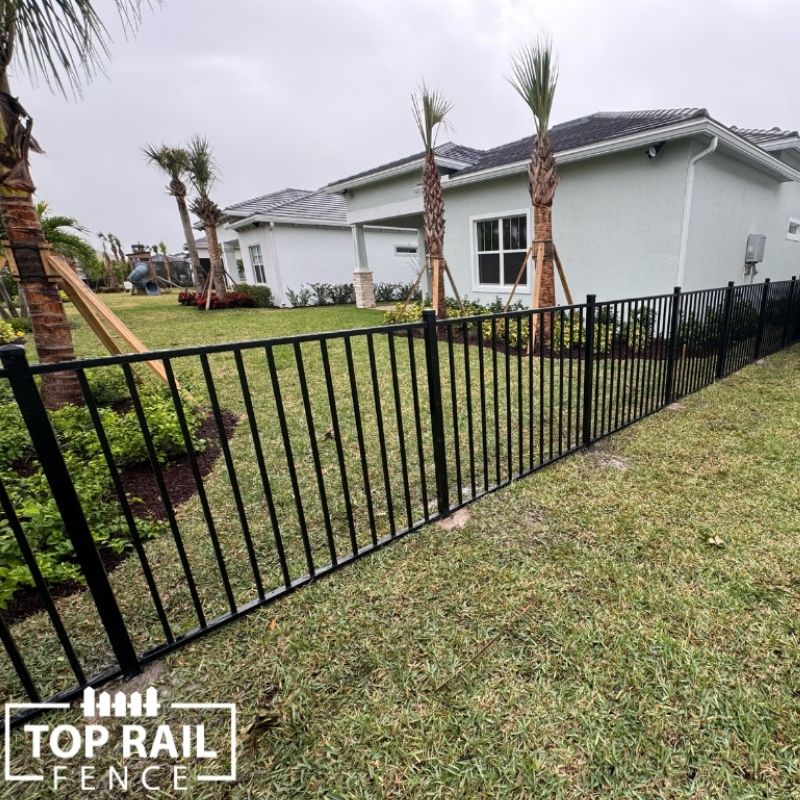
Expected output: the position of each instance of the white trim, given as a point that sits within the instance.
(400, 208)
(731, 140)
(793, 237)
(525, 287)
(392, 172)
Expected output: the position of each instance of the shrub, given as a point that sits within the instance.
(231, 300)
(506, 330)
(301, 298)
(11, 334)
(638, 331)
(260, 295)
(342, 293)
(30, 493)
(320, 293)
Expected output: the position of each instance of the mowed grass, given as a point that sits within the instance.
(622, 624)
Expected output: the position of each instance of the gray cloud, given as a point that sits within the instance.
(300, 93)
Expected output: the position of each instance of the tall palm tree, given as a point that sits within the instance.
(203, 176)
(174, 162)
(534, 76)
(61, 42)
(430, 110)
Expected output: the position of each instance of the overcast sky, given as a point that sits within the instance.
(301, 92)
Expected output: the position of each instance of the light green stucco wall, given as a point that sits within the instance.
(616, 222)
(731, 200)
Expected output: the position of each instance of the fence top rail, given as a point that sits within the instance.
(220, 347)
(251, 344)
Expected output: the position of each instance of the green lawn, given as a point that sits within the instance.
(584, 635)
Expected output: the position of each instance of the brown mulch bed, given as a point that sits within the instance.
(139, 483)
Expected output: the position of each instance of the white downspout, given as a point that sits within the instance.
(278, 279)
(687, 209)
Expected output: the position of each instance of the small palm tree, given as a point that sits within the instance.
(62, 42)
(430, 110)
(57, 231)
(203, 176)
(174, 162)
(111, 273)
(534, 76)
(162, 248)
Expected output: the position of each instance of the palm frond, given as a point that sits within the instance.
(202, 169)
(534, 76)
(430, 109)
(62, 42)
(170, 159)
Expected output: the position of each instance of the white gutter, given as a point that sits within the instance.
(687, 209)
(278, 280)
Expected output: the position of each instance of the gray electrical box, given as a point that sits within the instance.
(756, 242)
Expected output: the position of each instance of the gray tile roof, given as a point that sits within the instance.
(760, 136)
(317, 205)
(592, 129)
(458, 152)
(265, 203)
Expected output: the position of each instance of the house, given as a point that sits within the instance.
(647, 200)
(295, 237)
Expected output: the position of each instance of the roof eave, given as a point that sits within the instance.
(393, 172)
(270, 218)
(754, 154)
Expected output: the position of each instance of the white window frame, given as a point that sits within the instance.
(255, 267)
(406, 255)
(477, 286)
(793, 237)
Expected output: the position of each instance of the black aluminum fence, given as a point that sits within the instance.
(329, 446)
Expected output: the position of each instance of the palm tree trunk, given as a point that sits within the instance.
(214, 256)
(51, 332)
(543, 181)
(188, 234)
(433, 213)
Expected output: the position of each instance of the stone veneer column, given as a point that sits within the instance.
(365, 289)
(362, 277)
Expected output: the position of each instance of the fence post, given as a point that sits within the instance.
(672, 352)
(725, 330)
(588, 371)
(76, 527)
(789, 302)
(762, 319)
(437, 417)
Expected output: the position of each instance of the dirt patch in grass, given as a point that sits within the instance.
(140, 482)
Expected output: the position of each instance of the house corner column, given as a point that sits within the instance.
(362, 277)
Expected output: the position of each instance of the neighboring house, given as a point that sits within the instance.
(647, 200)
(295, 237)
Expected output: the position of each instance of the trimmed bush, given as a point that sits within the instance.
(260, 295)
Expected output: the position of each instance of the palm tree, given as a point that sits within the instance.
(203, 176)
(111, 273)
(174, 162)
(430, 109)
(61, 42)
(535, 74)
(162, 248)
(71, 246)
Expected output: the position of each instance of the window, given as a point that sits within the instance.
(257, 260)
(405, 249)
(501, 246)
(793, 229)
